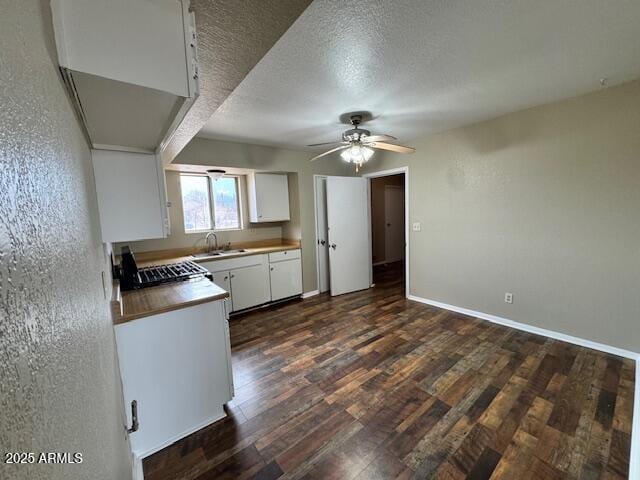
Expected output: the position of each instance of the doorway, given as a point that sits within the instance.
(388, 196)
(391, 260)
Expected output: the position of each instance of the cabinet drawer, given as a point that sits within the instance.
(223, 264)
(286, 255)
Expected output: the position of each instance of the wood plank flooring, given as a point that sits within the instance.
(372, 386)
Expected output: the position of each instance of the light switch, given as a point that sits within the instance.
(416, 226)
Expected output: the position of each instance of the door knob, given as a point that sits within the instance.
(333, 245)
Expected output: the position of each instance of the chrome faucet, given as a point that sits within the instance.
(206, 239)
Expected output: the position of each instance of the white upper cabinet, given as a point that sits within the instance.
(131, 195)
(268, 197)
(130, 66)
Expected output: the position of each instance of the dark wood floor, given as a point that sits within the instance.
(373, 386)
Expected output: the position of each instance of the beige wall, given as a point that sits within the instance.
(543, 203)
(202, 151)
(378, 220)
(59, 386)
(180, 239)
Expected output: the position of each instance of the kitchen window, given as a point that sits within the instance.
(210, 204)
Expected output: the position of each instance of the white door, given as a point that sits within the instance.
(322, 246)
(394, 223)
(348, 222)
(250, 287)
(286, 279)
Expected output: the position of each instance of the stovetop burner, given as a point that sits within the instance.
(172, 272)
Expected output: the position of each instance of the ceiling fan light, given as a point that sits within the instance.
(357, 154)
(367, 153)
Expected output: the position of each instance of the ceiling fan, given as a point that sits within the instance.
(358, 144)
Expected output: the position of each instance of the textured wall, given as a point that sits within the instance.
(544, 203)
(59, 387)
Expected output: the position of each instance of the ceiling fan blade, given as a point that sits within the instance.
(392, 147)
(378, 138)
(328, 152)
(325, 143)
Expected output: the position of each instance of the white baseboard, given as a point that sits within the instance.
(531, 329)
(634, 465)
(312, 293)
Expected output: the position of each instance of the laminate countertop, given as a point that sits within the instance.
(149, 259)
(134, 304)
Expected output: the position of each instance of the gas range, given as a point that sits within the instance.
(171, 272)
(131, 277)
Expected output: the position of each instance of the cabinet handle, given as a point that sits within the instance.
(134, 417)
(285, 252)
(226, 278)
(271, 269)
(333, 245)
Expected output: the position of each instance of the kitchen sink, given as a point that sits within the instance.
(218, 253)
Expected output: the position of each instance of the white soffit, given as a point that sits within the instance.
(426, 66)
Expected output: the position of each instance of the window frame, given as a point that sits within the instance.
(212, 205)
(209, 199)
(212, 213)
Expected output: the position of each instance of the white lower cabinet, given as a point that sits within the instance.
(286, 279)
(249, 287)
(253, 280)
(177, 367)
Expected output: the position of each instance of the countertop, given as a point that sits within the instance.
(134, 304)
(147, 259)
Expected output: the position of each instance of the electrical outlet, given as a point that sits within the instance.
(416, 226)
(508, 297)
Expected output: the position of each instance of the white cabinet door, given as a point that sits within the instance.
(176, 365)
(141, 43)
(250, 287)
(131, 195)
(268, 197)
(223, 280)
(286, 279)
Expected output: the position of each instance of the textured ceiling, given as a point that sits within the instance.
(232, 37)
(426, 66)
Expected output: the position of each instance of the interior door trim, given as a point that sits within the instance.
(407, 252)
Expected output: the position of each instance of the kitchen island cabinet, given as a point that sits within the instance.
(177, 366)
